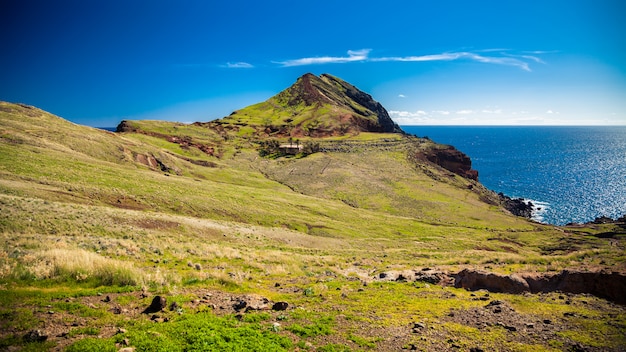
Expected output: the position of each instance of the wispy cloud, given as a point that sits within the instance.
(401, 96)
(499, 60)
(408, 114)
(353, 55)
(526, 57)
(238, 65)
(488, 56)
(537, 52)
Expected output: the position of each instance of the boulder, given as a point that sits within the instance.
(280, 306)
(158, 304)
(35, 336)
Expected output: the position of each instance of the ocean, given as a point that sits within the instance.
(573, 173)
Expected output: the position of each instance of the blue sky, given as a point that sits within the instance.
(428, 62)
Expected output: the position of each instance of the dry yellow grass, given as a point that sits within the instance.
(77, 265)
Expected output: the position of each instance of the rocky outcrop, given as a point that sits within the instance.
(608, 285)
(35, 336)
(452, 160)
(477, 280)
(384, 123)
(125, 126)
(517, 206)
(427, 275)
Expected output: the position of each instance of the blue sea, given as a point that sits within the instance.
(574, 174)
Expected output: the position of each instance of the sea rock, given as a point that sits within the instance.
(517, 206)
(603, 220)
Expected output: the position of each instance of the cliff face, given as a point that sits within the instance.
(452, 160)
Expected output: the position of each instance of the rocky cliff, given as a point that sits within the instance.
(450, 159)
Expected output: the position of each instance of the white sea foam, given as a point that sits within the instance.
(539, 209)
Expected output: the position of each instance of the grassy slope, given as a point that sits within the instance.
(317, 223)
(282, 110)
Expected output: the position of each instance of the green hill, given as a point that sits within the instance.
(209, 216)
(318, 107)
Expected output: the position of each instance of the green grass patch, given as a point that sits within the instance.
(321, 326)
(91, 344)
(205, 332)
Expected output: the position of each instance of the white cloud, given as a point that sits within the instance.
(442, 112)
(503, 58)
(418, 113)
(419, 117)
(534, 58)
(509, 61)
(541, 52)
(487, 111)
(527, 57)
(465, 112)
(353, 55)
(238, 65)
(401, 96)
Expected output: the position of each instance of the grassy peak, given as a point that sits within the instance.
(316, 107)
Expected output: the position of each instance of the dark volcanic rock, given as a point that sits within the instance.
(604, 220)
(239, 305)
(158, 304)
(431, 277)
(280, 306)
(517, 206)
(35, 336)
(125, 126)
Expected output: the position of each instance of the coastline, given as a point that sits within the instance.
(575, 174)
